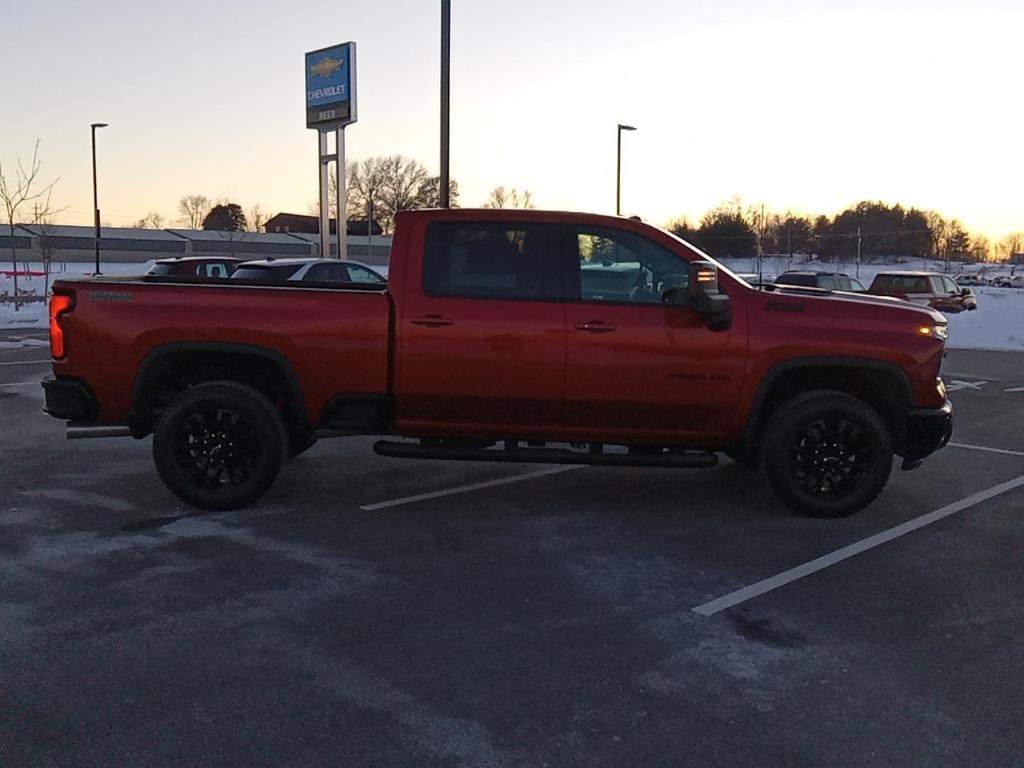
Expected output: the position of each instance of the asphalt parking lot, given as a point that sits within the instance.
(376, 612)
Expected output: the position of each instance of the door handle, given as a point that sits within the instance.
(431, 321)
(594, 326)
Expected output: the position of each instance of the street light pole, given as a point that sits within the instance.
(446, 49)
(95, 195)
(618, 167)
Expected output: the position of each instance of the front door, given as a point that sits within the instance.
(481, 337)
(635, 364)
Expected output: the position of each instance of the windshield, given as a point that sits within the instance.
(161, 270)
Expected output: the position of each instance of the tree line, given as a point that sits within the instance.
(379, 187)
(868, 228)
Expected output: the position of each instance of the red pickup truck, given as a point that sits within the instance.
(522, 336)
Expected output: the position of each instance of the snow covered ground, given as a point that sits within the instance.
(997, 324)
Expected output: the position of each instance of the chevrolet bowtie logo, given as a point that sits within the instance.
(325, 67)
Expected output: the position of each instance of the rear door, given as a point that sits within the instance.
(481, 335)
(637, 368)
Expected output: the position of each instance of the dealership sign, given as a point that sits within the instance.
(331, 86)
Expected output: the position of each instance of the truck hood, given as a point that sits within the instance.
(794, 296)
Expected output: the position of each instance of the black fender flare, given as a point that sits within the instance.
(139, 411)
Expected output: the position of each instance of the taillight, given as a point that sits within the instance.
(60, 305)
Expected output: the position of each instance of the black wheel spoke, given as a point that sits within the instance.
(831, 456)
(216, 447)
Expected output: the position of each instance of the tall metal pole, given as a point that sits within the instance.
(325, 198)
(618, 172)
(857, 274)
(342, 195)
(618, 166)
(369, 231)
(95, 194)
(446, 22)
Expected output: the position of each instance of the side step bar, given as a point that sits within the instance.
(115, 430)
(513, 453)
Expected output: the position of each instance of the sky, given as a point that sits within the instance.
(800, 105)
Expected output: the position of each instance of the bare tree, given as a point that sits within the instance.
(1011, 244)
(511, 198)
(151, 220)
(193, 209)
(23, 188)
(46, 231)
(402, 178)
(364, 180)
(981, 248)
(256, 218)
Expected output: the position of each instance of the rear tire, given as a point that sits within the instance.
(219, 445)
(827, 454)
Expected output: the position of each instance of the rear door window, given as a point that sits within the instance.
(326, 273)
(264, 273)
(358, 274)
(900, 284)
(492, 260)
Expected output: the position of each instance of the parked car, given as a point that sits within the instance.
(927, 289)
(1008, 281)
(835, 281)
(970, 279)
(755, 280)
(307, 270)
(195, 266)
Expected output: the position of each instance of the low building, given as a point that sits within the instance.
(62, 243)
(310, 225)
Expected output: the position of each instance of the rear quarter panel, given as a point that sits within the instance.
(336, 340)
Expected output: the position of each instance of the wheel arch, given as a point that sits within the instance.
(174, 367)
(882, 385)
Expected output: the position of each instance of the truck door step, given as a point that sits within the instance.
(511, 451)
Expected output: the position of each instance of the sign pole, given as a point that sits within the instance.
(342, 195)
(325, 197)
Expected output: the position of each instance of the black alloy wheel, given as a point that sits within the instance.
(216, 446)
(832, 457)
(826, 454)
(219, 445)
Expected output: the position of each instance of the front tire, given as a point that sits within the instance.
(219, 445)
(827, 454)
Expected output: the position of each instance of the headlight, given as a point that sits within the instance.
(938, 331)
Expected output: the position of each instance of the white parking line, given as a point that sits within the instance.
(984, 448)
(787, 577)
(28, 362)
(968, 376)
(468, 488)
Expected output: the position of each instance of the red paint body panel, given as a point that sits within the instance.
(500, 367)
(335, 340)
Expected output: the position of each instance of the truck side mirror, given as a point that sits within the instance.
(705, 298)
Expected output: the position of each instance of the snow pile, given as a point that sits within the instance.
(33, 314)
(997, 323)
